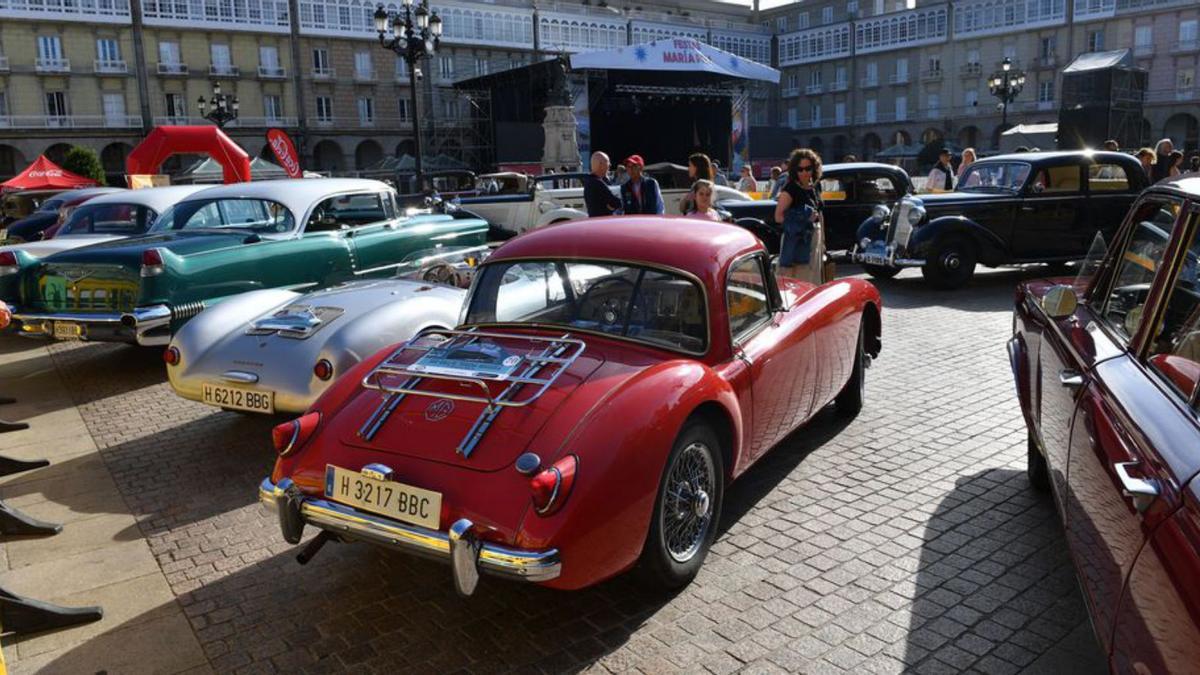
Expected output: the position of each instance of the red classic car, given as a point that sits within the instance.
(609, 378)
(1107, 370)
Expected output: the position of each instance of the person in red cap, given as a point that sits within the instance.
(640, 194)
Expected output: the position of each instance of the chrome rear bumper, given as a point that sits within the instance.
(467, 555)
(147, 326)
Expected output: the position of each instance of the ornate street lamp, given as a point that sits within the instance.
(1005, 84)
(224, 107)
(413, 34)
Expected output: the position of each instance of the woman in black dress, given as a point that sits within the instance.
(799, 211)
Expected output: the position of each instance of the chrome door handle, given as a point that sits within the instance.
(1142, 491)
(1070, 378)
(1026, 208)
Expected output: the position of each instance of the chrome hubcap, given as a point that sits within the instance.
(951, 261)
(687, 508)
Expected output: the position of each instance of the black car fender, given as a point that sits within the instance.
(768, 234)
(870, 228)
(989, 247)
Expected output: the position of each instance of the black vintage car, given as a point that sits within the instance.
(1041, 207)
(851, 192)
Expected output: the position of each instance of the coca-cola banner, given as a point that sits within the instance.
(285, 152)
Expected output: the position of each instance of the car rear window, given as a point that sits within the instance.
(1107, 178)
(120, 219)
(255, 215)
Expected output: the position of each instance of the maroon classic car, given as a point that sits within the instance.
(1106, 371)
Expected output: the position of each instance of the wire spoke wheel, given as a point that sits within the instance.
(687, 512)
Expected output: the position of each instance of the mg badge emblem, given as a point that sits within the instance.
(439, 410)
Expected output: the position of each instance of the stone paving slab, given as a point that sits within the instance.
(905, 540)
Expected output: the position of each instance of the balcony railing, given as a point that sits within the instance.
(1185, 47)
(271, 72)
(931, 75)
(1172, 95)
(3, 64)
(789, 92)
(322, 73)
(110, 67)
(169, 121)
(898, 78)
(814, 89)
(876, 119)
(838, 85)
(179, 69)
(1016, 65)
(1045, 62)
(970, 69)
(867, 82)
(224, 70)
(262, 122)
(52, 65)
(1142, 51)
(364, 75)
(70, 121)
(366, 122)
(323, 121)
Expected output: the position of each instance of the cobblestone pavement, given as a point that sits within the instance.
(906, 539)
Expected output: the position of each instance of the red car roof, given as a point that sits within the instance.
(700, 247)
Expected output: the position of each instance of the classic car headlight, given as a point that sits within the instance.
(881, 211)
(866, 241)
(546, 207)
(915, 215)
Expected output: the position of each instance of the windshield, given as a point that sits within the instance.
(992, 176)
(638, 303)
(122, 219)
(253, 215)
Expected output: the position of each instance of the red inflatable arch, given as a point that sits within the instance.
(162, 142)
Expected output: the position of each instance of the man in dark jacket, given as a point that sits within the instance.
(597, 195)
(640, 194)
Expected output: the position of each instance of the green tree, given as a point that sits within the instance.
(84, 162)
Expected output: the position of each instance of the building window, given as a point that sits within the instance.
(1143, 39)
(481, 67)
(971, 100)
(3, 105)
(973, 57)
(56, 104)
(446, 67)
(827, 15)
(814, 78)
(273, 107)
(870, 110)
(901, 70)
(839, 113)
(852, 8)
(405, 115)
(363, 68)
(1095, 40)
(1188, 33)
(108, 51)
(325, 109)
(49, 48)
(879, 7)
(872, 75)
(114, 109)
(781, 24)
(816, 116)
(1046, 46)
(933, 104)
(450, 108)
(839, 77)
(802, 20)
(222, 61)
(320, 57)
(1010, 52)
(793, 117)
(935, 65)
(168, 53)
(901, 108)
(1046, 91)
(1185, 79)
(176, 106)
(366, 110)
(268, 59)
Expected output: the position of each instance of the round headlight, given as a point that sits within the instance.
(866, 241)
(915, 215)
(881, 212)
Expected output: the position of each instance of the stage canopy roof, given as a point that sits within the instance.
(675, 55)
(46, 175)
(1117, 58)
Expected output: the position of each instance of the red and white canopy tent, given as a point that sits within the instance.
(46, 175)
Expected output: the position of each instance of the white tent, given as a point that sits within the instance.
(678, 55)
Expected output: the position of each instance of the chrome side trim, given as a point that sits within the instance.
(67, 316)
(511, 563)
(239, 377)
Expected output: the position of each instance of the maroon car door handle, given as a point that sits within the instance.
(1141, 491)
(1070, 378)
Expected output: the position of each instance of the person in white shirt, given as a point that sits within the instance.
(747, 183)
(941, 176)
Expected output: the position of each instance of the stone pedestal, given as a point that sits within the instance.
(561, 147)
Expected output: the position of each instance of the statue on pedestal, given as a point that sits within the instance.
(561, 146)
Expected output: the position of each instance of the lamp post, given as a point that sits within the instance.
(224, 107)
(412, 34)
(1005, 84)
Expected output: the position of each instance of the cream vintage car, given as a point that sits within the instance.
(518, 203)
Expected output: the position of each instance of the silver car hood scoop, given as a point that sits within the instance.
(295, 321)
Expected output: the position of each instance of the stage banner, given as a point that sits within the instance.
(739, 141)
(285, 151)
(583, 122)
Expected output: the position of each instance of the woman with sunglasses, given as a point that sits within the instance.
(802, 250)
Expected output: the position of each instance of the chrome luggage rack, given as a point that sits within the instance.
(557, 354)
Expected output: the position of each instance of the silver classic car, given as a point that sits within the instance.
(276, 351)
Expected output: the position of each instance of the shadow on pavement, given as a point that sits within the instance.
(909, 290)
(995, 587)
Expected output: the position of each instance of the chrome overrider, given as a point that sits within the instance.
(146, 326)
(467, 555)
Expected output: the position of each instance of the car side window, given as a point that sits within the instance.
(1107, 178)
(1136, 266)
(1048, 180)
(347, 211)
(876, 189)
(1175, 348)
(746, 296)
(835, 189)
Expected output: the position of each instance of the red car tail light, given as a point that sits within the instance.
(552, 486)
(152, 262)
(171, 356)
(290, 436)
(323, 369)
(8, 263)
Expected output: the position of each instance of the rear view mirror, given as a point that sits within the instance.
(1060, 302)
